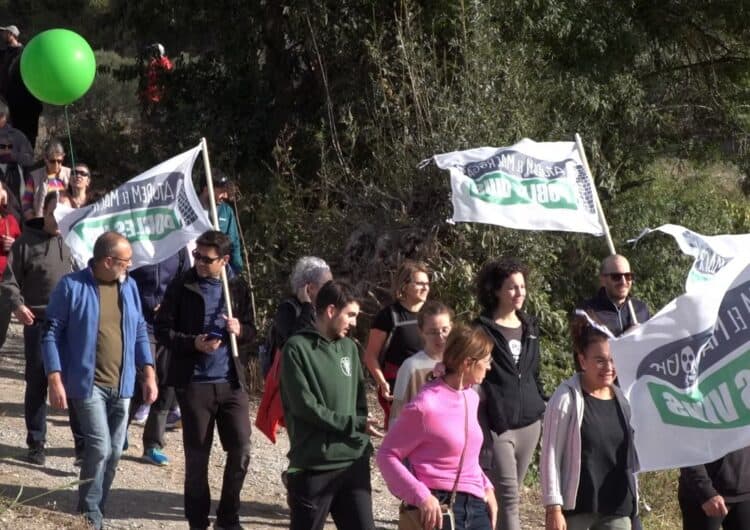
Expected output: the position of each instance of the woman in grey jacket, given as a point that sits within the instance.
(588, 459)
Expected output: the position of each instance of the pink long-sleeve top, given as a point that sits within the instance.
(430, 433)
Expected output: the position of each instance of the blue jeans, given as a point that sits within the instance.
(469, 512)
(103, 419)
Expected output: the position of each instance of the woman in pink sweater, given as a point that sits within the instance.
(431, 434)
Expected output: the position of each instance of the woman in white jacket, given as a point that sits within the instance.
(588, 460)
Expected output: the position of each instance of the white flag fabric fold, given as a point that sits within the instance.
(158, 212)
(529, 185)
(686, 373)
(711, 253)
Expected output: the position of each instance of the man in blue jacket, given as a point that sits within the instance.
(94, 338)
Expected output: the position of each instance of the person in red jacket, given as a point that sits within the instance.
(152, 83)
(9, 231)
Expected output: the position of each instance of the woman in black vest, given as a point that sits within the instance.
(394, 334)
(513, 401)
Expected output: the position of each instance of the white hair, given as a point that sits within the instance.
(308, 269)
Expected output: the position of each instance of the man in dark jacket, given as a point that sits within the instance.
(325, 408)
(209, 379)
(716, 494)
(37, 261)
(611, 302)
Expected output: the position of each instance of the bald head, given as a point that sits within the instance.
(107, 244)
(616, 278)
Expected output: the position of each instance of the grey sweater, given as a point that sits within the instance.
(560, 463)
(36, 262)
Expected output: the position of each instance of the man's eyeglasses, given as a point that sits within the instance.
(6, 146)
(127, 261)
(206, 260)
(79, 172)
(617, 276)
(55, 160)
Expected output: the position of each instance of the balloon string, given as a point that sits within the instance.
(70, 139)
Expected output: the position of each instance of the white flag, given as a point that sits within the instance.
(529, 185)
(711, 253)
(158, 212)
(686, 373)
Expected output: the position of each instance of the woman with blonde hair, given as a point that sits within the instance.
(438, 432)
(394, 335)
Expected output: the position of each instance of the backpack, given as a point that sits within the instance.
(396, 324)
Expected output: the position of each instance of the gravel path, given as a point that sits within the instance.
(143, 496)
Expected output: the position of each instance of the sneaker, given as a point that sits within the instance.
(174, 420)
(36, 455)
(141, 415)
(156, 457)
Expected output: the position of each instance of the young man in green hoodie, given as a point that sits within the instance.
(325, 409)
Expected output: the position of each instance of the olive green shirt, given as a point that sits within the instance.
(109, 337)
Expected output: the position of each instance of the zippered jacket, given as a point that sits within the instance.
(72, 326)
(180, 319)
(514, 393)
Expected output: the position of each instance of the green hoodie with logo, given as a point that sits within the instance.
(325, 406)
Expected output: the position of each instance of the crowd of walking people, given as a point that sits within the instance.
(463, 403)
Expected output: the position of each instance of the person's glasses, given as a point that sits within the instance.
(617, 276)
(79, 172)
(436, 332)
(6, 146)
(126, 261)
(55, 161)
(421, 284)
(206, 260)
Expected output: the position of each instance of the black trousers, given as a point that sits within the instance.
(694, 518)
(346, 493)
(35, 395)
(226, 406)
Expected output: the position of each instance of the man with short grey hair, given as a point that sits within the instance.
(94, 338)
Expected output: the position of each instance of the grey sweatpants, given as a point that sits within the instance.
(511, 454)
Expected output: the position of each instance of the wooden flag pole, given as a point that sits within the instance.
(600, 213)
(215, 223)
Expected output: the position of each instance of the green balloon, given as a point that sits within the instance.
(58, 66)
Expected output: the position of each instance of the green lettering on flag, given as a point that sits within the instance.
(136, 225)
(506, 190)
(721, 401)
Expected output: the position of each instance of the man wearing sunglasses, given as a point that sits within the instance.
(611, 302)
(209, 380)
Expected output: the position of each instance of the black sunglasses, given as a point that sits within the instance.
(79, 172)
(617, 276)
(206, 260)
(6, 146)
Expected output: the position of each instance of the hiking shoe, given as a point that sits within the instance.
(174, 420)
(156, 457)
(36, 455)
(141, 415)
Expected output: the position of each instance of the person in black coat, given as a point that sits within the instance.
(610, 305)
(514, 401)
(716, 495)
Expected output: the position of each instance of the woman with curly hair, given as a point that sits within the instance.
(513, 402)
